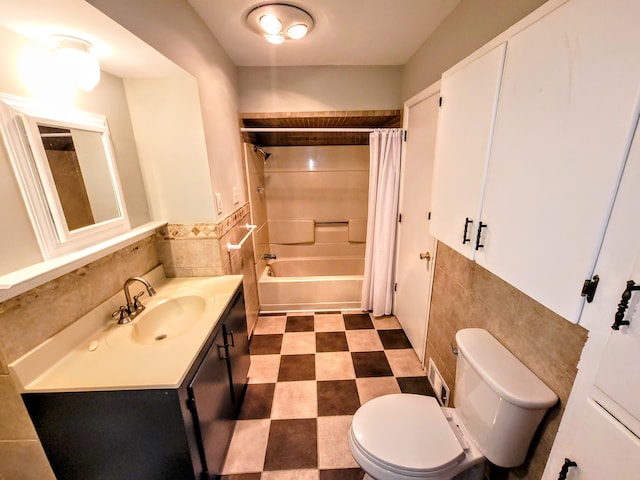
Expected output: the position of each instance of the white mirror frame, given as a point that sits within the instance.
(18, 123)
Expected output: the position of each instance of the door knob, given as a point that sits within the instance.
(425, 256)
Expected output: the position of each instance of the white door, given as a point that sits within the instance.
(465, 127)
(415, 254)
(600, 429)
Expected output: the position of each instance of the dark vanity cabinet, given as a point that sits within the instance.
(180, 433)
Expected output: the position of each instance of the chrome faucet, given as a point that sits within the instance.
(134, 306)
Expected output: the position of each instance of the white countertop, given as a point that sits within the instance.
(94, 353)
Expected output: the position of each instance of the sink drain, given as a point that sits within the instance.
(161, 337)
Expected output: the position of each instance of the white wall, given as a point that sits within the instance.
(18, 247)
(469, 26)
(308, 89)
(169, 133)
(175, 30)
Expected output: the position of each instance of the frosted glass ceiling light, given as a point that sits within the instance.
(270, 24)
(278, 22)
(76, 62)
(296, 32)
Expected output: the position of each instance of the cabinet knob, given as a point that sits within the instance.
(425, 256)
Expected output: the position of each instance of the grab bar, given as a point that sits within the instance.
(337, 222)
(231, 246)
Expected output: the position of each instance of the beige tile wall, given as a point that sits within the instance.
(466, 295)
(29, 319)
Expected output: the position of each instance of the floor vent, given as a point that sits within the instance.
(438, 384)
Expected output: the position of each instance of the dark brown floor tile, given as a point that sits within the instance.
(299, 324)
(357, 321)
(257, 401)
(242, 476)
(392, 339)
(265, 344)
(419, 385)
(297, 367)
(328, 312)
(272, 314)
(337, 397)
(293, 444)
(331, 342)
(342, 474)
(371, 364)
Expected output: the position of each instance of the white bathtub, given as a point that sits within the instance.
(312, 283)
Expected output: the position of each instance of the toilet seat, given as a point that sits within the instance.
(415, 440)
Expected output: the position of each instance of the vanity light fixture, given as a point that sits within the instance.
(77, 62)
(278, 22)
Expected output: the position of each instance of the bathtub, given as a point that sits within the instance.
(311, 283)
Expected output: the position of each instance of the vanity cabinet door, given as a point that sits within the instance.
(237, 345)
(566, 115)
(469, 94)
(211, 405)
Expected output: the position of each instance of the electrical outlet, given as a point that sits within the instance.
(236, 195)
(219, 202)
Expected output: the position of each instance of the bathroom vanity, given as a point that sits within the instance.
(145, 401)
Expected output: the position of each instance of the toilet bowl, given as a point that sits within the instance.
(419, 440)
(499, 405)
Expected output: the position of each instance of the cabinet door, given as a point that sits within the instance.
(465, 124)
(237, 344)
(212, 406)
(566, 114)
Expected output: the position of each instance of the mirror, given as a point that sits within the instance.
(66, 170)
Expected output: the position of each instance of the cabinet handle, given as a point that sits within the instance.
(565, 468)
(479, 235)
(233, 341)
(624, 303)
(467, 222)
(222, 356)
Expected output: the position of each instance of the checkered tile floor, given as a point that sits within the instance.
(309, 374)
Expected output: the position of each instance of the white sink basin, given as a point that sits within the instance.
(168, 318)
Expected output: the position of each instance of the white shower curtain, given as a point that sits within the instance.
(385, 148)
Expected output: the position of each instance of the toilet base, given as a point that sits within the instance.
(474, 473)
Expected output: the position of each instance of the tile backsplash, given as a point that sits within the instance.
(467, 295)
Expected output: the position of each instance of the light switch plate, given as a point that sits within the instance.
(219, 202)
(236, 195)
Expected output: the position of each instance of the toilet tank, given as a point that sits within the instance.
(499, 400)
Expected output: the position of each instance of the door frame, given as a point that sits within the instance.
(430, 91)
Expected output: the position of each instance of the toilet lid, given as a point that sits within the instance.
(406, 431)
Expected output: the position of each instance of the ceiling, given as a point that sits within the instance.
(346, 32)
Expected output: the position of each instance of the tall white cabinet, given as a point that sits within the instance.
(553, 147)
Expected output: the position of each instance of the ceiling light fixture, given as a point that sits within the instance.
(77, 62)
(278, 22)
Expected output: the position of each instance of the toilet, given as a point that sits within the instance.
(499, 404)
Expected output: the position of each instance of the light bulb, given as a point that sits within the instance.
(275, 39)
(296, 32)
(270, 24)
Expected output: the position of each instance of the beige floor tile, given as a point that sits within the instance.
(363, 341)
(248, 447)
(295, 343)
(295, 400)
(329, 322)
(264, 368)
(334, 366)
(333, 443)
(404, 363)
(291, 475)
(370, 388)
(267, 325)
(386, 323)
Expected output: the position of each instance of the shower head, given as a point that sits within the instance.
(264, 154)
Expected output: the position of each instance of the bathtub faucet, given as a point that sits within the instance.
(269, 256)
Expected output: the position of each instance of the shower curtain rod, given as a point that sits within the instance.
(310, 130)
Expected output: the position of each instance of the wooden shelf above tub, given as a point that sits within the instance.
(333, 119)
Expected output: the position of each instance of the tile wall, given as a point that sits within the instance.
(466, 295)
